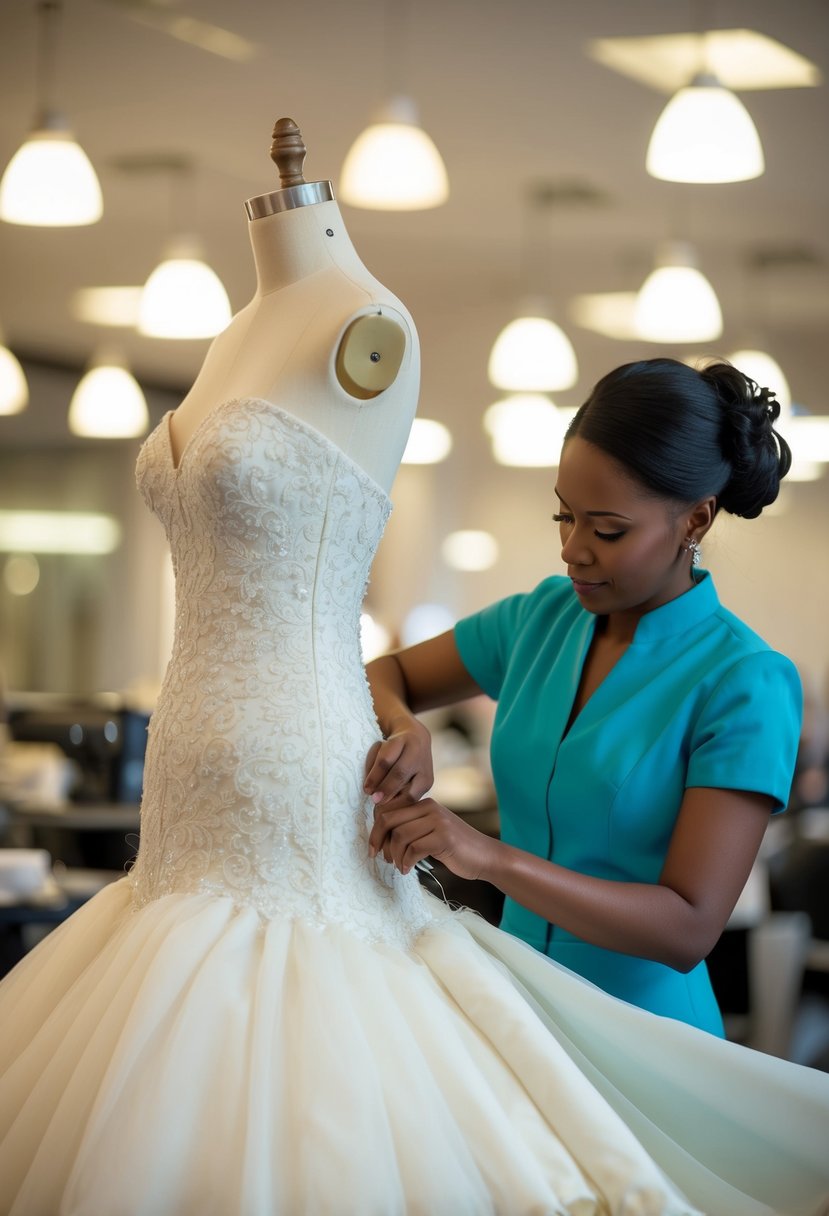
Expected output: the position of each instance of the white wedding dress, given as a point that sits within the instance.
(260, 1020)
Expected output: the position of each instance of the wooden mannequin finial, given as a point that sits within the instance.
(288, 152)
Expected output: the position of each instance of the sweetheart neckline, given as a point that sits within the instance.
(300, 423)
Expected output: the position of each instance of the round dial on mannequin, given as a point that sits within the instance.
(370, 355)
(321, 338)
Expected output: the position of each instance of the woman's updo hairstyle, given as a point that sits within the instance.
(686, 434)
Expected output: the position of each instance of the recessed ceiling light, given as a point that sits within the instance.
(741, 59)
(203, 34)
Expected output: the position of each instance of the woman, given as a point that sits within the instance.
(643, 734)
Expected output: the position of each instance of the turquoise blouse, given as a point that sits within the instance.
(697, 699)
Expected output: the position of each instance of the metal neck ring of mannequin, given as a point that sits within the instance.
(288, 198)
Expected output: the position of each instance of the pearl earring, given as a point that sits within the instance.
(692, 547)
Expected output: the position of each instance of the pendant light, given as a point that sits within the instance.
(49, 182)
(705, 134)
(470, 550)
(532, 354)
(183, 297)
(758, 290)
(394, 165)
(676, 303)
(14, 390)
(429, 442)
(527, 430)
(808, 436)
(108, 402)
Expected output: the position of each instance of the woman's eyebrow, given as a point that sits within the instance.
(615, 514)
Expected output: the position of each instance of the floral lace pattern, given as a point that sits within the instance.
(253, 776)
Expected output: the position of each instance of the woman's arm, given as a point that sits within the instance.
(676, 921)
(403, 684)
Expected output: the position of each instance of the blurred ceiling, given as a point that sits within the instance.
(512, 98)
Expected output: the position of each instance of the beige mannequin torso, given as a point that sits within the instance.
(321, 339)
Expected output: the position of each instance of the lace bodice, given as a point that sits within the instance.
(253, 778)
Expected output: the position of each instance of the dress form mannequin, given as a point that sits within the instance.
(321, 338)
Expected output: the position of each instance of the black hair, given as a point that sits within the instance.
(684, 433)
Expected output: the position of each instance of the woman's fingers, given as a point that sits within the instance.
(393, 828)
(406, 834)
(401, 762)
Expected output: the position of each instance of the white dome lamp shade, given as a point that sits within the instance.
(183, 297)
(705, 134)
(526, 431)
(14, 388)
(532, 355)
(429, 442)
(676, 303)
(50, 182)
(108, 402)
(394, 165)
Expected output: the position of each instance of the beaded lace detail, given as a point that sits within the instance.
(253, 777)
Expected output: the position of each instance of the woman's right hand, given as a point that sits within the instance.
(401, 764)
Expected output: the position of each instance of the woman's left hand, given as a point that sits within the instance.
(407, 833)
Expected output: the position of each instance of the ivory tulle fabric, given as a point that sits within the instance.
(261, 1021)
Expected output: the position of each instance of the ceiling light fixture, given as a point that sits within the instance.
(705, 134)
(115, 306)
(58, 532)
(742, 59)
(532, 354)
(429, 442)
(108, 402)
(49, 182)
(676, 303)
(808, 437)
(470, 550)
(610, 313)
(183, 297)
(526, 431)
(14, 389)
(394, 165)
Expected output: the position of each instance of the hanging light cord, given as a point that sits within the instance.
(702, 10)
(395, 31)
(536, 245)
(49, 13)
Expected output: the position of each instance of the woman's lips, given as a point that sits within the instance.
(583, 588)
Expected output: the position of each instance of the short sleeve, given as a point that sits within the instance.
(747, 735)
(485, 641)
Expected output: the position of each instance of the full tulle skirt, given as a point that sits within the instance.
(185, 1058)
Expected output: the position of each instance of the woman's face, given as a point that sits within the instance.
(624, 550)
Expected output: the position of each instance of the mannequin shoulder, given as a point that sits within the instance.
(370, 354)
